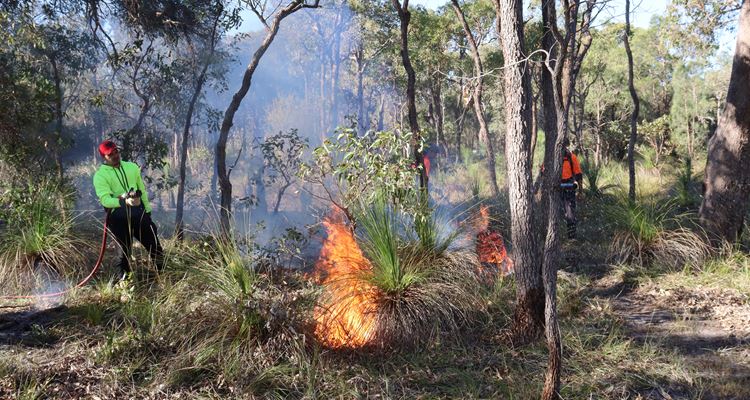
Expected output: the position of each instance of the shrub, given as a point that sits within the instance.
(350, 168)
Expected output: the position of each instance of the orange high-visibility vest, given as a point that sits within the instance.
(570, 167)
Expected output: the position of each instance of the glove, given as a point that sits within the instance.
(133, 201)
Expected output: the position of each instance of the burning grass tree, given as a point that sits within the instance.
(386, 286)
(393, 275)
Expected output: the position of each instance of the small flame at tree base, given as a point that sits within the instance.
(347, 316)
(491, 250)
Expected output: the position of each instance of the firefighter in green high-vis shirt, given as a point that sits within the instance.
(120, 189)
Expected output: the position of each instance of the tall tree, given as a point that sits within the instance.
(535, 224)
(636, 106)
(529, 313)
(225, 185)
(484, 134)
(727, 177)
(207, 58)
(558, 81)
(404, 16)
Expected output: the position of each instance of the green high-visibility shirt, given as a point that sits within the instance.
(110, 183)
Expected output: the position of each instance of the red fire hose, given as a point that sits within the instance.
(82, 282)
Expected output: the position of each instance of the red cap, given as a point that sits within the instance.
(107, 147)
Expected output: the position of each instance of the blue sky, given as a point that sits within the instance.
(642, 13)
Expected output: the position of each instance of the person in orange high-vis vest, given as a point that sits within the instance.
(570, 181)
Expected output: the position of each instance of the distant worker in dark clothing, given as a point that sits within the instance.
(121, 191)
(570, 181)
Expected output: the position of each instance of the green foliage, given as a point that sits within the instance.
(380, 240)
(353, 168)
(694, 27)
(26, 95)
(657, 134)
(39, 57)
(142, 146)
(592, 173)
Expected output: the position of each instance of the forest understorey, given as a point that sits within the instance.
(652, 336)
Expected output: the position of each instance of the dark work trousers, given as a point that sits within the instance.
(126, 223)
(569, 210)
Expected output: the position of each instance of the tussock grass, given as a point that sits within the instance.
(39, 245)
(220, 314)
(729, 269)
(649, 232)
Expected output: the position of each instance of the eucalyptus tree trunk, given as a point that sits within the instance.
(381, 113)
(727, 178)
(180, 206)
(529, 312)
(56, 147)
(436, 91)
(636, 106)
(359, 58)
(404, 16)
(484, 134)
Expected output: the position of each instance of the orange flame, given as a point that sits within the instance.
(490, 246)
(347, 316)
